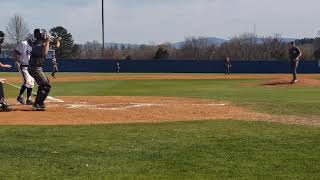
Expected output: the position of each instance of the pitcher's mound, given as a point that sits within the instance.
(287, 82)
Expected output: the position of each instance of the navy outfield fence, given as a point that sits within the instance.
(175, 66)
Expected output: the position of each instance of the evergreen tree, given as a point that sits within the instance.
(66, 49)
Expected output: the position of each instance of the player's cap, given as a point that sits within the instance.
(37, 31)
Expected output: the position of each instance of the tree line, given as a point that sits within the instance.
(18, 30)
(246, 46)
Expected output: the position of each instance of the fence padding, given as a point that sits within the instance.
(174, 66)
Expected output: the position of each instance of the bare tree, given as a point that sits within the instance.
(113, 52)
(91, 50)
(273, 48)
(248, 47)
(308, 51)
(242, 47)
(17, 29)
(196, 47)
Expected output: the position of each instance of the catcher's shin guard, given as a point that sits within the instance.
(1, 93)
(42, 94)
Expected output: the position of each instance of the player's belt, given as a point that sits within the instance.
(24, 65)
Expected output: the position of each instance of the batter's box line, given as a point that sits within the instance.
(84, 105)
(50, 98)
(158, 104)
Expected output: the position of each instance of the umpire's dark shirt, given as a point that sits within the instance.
(294, 53)
(37, 57)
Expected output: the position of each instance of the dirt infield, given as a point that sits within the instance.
(106, 110)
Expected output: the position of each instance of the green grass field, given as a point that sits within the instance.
(181, 150)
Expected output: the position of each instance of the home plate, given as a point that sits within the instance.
(54, 100)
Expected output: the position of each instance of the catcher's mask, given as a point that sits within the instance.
(40, 34)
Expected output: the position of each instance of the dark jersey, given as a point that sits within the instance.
(227, 63)
(294, 52)
(37, 57)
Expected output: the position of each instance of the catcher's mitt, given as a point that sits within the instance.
(55, 41)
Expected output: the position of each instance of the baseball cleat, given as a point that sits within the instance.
(43, 106)
(21, 100)
(29, 102)
(5, 107)
(37, 107)
(294, 81)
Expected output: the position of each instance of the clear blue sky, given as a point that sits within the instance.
(145, 21)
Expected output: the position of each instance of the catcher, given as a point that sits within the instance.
(3, 105)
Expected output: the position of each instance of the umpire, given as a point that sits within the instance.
(40, 48)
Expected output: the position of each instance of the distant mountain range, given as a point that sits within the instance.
(211, 40)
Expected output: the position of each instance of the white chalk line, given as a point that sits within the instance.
(96, 107)
(84, 105)
(50, 98)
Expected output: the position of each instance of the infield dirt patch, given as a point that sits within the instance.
(106, 110)
(287, 82)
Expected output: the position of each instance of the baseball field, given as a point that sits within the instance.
(165, 126)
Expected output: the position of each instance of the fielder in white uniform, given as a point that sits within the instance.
(21, 55)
